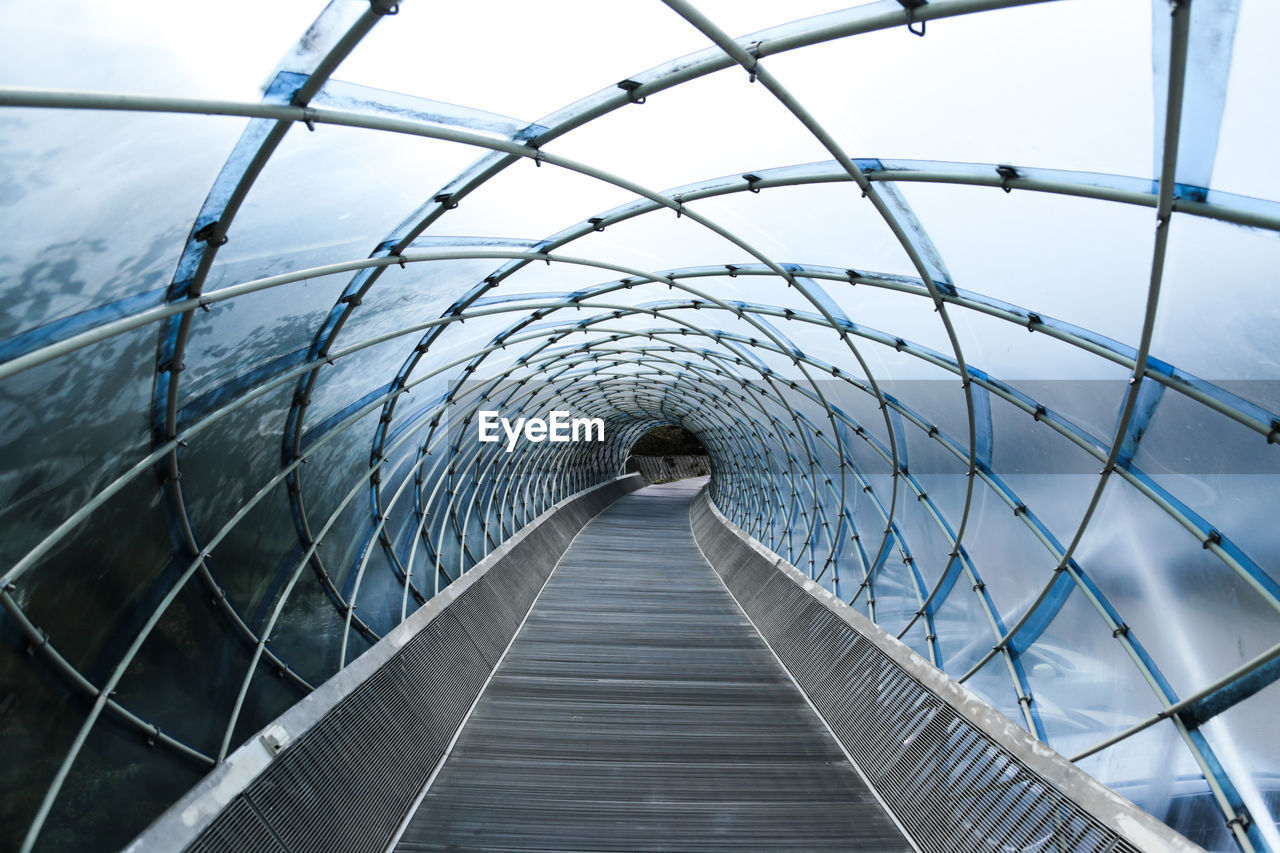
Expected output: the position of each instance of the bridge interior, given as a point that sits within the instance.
(638, 708)
(971, 303)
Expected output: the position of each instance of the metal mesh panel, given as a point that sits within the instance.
(521, 579)
(487, 619)
(239, 829)
(951, 786)
(346, 783)
(394, 728)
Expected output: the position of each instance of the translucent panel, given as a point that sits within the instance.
(1194, 615)
(1252, 114)
(1059, 501)
(225, 472)
(936, 97)
(174, 668)
(503, 72)
(268, 696)
(133, 46)
(1239, 506)
(416, 295)
(915, 638)
(946, 491)
(1239, 737)
(1197, 454)
(1226, 264)
(308, 633)
(1022, 444)
(111, 754)
(995, 684)
(100, 575)
(345, 384)
(137, 183)
(681, 135)
(897, 597)
(929, 545)
(930, 392)
(887, 312)
(1072, 259)
(1154, 770)
(1066, 379)
(45, 477)
(1008, 558)
(1083, 685)
(268, 323)
(38, 729)
(961, 626)
(343, 462)
(245, 563)
(340, 185)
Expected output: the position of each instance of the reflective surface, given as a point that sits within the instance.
(909, 372)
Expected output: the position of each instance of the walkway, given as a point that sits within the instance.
(638, 709)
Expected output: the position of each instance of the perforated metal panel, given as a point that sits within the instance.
(393, 728)
(349, 779)
(241, 829)
(954, 788)
(488, 621)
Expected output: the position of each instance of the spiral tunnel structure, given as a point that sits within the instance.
(1018, 407)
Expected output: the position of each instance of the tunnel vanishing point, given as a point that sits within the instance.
(972, 304)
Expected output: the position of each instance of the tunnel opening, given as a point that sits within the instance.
(666, 453)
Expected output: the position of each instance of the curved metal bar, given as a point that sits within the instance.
(45, 343)
(917, 247)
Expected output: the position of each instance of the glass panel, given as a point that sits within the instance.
(272, 325)
(1154, 770)
(964, 631)
(1236, 339)
(1083, 685)
(995, 684)
(185, 664)
(1073, 259)
(1007, 556)
(935, 99)
(45, 478)
(41, 719)
(101, 573)
(172, 49)
(96, 207)
(1225, 472)
(1022, 445)
(498, 72)
(94, 804)
(1252, 115)
(1194, 615)
(322, 191)
(1066, 379)
(1241, 739)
